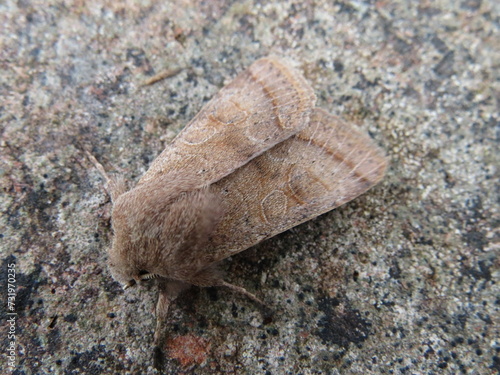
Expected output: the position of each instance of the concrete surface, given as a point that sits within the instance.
(403, 280)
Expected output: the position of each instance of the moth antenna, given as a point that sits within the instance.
(114, 187)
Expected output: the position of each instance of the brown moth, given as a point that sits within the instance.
(257, 160)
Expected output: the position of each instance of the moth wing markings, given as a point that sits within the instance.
(284, 109)
(199, 136)
(302, 182)
(315, 125)
(308, 174)
(274, 206)
(262, 106)
(351, 160)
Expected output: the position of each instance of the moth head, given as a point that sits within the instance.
(143, 276)
(129, 276)
(131, 260)
(159, 229)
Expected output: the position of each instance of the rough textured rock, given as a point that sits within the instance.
(402, 280)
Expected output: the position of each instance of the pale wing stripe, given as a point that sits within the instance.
(344, 158)
(279, 97)
(318, 124)
(367, 154)
(359, 178)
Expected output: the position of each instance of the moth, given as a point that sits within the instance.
(257, 160)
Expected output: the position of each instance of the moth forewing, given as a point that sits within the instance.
(322, 167)
(262, 106)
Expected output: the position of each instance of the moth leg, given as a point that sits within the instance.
(169, 290)
(243, 291)
(210, 276)
(265, 309)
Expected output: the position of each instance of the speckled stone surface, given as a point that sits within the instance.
(403, 280)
